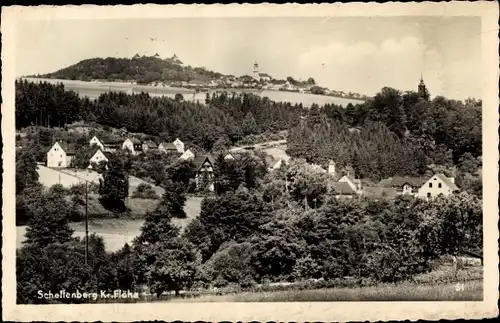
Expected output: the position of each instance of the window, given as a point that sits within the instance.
(439, 185)
(428, 194)
(430, 185)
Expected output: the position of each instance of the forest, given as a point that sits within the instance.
(392, 134)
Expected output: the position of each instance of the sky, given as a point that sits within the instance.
(351, 54)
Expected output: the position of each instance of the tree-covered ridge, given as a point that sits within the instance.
(393, 134)
(140, 69)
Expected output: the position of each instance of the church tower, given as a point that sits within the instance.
(422, 89)
(255, 70)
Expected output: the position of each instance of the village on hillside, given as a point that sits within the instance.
(347, 185)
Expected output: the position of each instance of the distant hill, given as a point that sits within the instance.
(140, 69)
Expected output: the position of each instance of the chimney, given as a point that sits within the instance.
(452, 179)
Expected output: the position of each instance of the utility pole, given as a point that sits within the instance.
(86, 224)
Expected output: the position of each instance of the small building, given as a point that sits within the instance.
(60, 155)
(471, 258)
(188, 154)
(179, 145)
(134, 145)
(264, 77)
(168, 148)
(342, 190)
(106, 144)
(350, 179)
(438, 185)
(229, 156)
(204, 172)
(98, 157)
(149, 145)
(404, 185)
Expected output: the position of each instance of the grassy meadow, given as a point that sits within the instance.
(115, 231)
(472, 291)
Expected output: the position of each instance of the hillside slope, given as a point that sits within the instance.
(142, 70)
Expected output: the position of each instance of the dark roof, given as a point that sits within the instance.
(399, 181)
(135, 141)
(342, 188)
(169, 146)
(354, 180)
(105, 153)
(447, 181)
(150, 144)
(110, 142)
(379, 192)
(200, 160)
(473, 253)
(68, 149)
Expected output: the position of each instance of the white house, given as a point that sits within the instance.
(107, 145)
(188, 154)
(133, 145)
(437, 185)
(179, 145)
(98, 157)
(96, 141)
(229, 156)
(60, 155)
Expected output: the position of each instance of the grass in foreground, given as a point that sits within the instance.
(472, 291)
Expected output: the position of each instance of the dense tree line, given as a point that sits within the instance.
(392, 134)
(402, 126)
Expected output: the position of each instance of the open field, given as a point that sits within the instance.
(92, 90)
(472, 291)
(117, 232)
(70, 177)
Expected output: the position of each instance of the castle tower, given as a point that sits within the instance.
(255, 70)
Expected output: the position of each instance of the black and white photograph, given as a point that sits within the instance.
(283, 158)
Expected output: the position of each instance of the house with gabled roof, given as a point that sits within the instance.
(273, 163)
(187, 155)
(60, 155)
(168, 148)
(342, 190)
(106, 144)
(204, 166)
(134, 145)
(404, 185)
(98, 157)
(149, 145)
(179, 145)
(438, 185)
(349, 178)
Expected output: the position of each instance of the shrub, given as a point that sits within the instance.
(145, 191)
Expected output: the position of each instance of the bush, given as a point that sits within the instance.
(145, 191)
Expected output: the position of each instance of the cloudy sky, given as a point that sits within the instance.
(358, 54)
